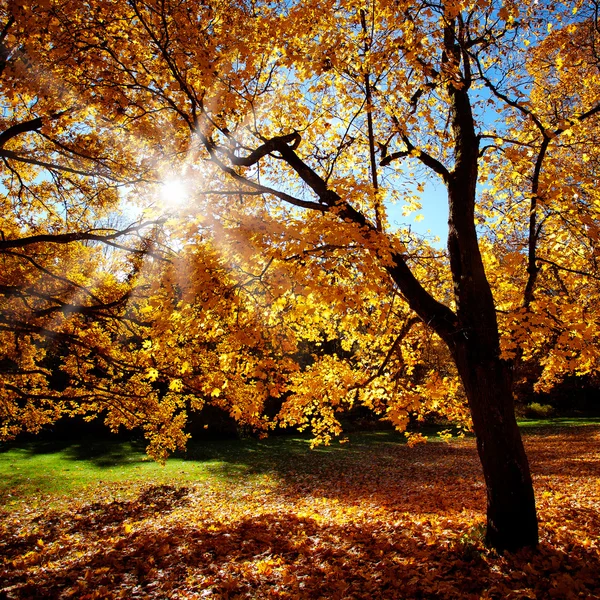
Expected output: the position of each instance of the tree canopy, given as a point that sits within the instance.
(197, 206)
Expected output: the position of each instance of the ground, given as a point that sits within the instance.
(370, 519)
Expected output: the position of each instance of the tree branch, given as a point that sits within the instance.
(291, 139)
(263, 188)
(9, 154)
(78, 236)
(435, 314)
(23, 127)
(568, 269)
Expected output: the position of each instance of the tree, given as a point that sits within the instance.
(297, 124)
(68, 260)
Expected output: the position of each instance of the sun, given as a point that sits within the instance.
(173, 193)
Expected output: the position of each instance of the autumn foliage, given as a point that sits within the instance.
(197, 210)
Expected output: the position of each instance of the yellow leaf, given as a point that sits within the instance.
(176, 385)
(185, 367)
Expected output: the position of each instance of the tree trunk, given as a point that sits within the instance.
(475, 344)
(511, 514)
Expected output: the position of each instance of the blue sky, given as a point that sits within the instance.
(434, 202)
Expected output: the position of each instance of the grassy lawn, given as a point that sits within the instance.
(372, 518)
(36, 470)
(51, 470)
(558, 422)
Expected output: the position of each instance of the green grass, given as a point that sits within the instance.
(33, 470)
(559, 422)
(45, 470)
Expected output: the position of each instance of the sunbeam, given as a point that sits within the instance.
(173, 193)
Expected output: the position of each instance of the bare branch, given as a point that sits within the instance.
(568, 269)
(77, 236)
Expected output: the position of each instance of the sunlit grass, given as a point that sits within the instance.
(47, 471)
(36, 470)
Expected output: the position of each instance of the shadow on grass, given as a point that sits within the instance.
(102, 452)
(324, 470)
(543, 426)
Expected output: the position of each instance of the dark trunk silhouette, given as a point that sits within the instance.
(471, 332)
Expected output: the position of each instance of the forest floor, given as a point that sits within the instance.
(272, 519)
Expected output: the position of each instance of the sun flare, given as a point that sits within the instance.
(173, 193)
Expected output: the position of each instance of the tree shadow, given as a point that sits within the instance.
(103, 452)
(436, 466)
(437, 477)
(98, 518)
(418, 543)
(283, 555)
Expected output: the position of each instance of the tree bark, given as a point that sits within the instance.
(511, 514)
(475, 345)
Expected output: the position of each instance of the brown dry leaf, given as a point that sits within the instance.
(387, 522)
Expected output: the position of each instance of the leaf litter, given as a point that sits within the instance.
(378, 521)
